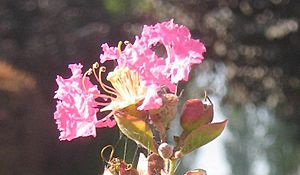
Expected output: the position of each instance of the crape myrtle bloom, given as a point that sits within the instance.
(136, 80)
(76, 107)
(155, 71)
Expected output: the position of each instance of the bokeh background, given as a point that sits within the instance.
(251, 71)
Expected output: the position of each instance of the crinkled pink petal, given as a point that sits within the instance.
(106, 122)
(179, 46)
(109, 53)
(150, 67)
(182, 53)
(76, 106)
(156, 71)
(72, 128)
(152, 100)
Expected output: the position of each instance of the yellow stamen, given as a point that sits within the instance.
(106, 88)
(89, 72)
(120, 47)
(102, 70)
(127, 84)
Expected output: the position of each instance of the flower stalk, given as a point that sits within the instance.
(172, 168)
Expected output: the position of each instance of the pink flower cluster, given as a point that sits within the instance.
(76, 105)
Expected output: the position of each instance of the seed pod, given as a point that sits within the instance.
(195, 114)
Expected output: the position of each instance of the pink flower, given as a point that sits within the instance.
(139, 76)
(109, 53)
(156, 71)
(76, 106)
(182, 51)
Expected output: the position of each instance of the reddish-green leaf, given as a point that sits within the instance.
(201, 136)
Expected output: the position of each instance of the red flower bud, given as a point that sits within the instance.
(177, 154)
(195, 114)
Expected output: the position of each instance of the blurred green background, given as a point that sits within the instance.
(251, 70)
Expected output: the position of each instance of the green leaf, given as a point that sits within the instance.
(201, 136)
(136, 129)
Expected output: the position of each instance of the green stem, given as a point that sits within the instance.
(172, 166)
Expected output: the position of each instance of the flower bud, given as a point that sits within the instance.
(195, 114)
(165, 150)
(178, 155)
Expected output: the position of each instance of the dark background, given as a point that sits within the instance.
(256, 40)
